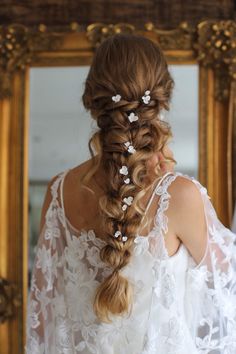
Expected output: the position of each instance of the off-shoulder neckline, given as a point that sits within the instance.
(161, 187)
(162, 178)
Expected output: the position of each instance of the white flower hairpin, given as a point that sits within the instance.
(130, 147)
(123, 238)
(128, 201)
(117, 234)
(116, 98)
(124, 171)
(146, 98)
(124, 207)
(132, 117)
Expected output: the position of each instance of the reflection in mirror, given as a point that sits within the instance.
(183, 118)
(233, 226)
(60, 129)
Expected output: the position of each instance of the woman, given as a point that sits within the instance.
(131, 256)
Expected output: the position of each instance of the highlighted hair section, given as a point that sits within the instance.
(128, 65)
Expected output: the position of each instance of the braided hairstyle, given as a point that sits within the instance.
(127, 65)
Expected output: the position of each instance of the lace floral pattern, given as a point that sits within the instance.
(179, 306)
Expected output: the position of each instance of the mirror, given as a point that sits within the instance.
(60, 129)
(52, 72)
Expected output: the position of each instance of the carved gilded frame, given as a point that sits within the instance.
(210, 44)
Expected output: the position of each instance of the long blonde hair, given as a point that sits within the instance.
(127, 65)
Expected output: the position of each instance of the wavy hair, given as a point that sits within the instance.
(128, 65)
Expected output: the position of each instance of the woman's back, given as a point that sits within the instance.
(81, 209)
(168, 309)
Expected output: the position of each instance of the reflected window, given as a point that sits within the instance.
(183, 118)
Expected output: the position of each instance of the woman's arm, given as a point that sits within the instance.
(44, 277)
(189, 218)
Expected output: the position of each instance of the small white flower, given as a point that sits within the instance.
(146, 98)
(117, 234)
(128, 200)
(116, 98)
(127, 180)
(124, 170)
(127, 144)
(132, 117)
(131, 149)
(123, 237)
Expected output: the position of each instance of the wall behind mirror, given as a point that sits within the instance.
(60, 129)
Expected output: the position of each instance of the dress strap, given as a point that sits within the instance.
(63, 174)
(60, 182)
(56, 189)
(61, 190)
(161, 220)
(155, 189)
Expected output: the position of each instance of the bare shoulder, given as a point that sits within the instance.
(79, 170)
(186, 201)
(188, 215)
(184, 190)
(71, 184)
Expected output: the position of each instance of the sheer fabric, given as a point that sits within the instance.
(179, 306)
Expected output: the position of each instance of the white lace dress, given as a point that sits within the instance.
(179, 306)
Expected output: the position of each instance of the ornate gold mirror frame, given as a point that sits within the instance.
(211, 44)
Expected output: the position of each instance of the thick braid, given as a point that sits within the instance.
(128, 136)
(121, 223)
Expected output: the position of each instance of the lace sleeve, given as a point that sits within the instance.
(210, 300)
(46, 278)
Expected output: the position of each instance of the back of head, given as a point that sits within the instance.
(126, 88)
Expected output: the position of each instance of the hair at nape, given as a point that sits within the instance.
(127, 86)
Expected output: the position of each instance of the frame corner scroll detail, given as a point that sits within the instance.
(180, 38)
(97, 32)
(18, 44)
(10, 299)
(216, 46)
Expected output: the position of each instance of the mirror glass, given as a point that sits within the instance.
(233, 226)
(60, 128)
